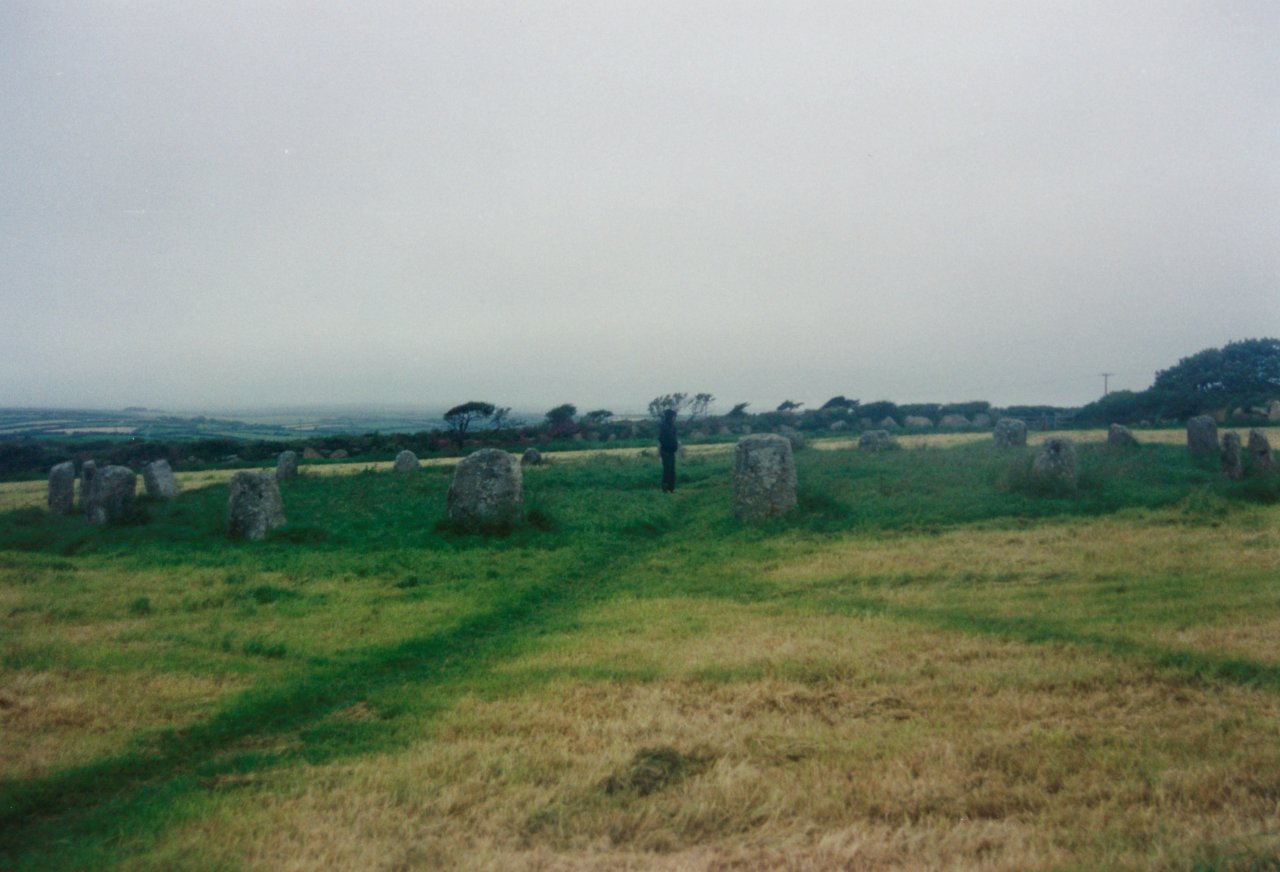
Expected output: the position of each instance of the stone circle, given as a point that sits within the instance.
(62, 488)
(764, 478)
(1120, 437)
(1202, 436)
(286, 465)
(487, 488)
(254, 505)
(877, 440)
(1232, 455)
(1055, 464)
(1260, 450)
(1010, 433)
(110, 495)
(159, 480)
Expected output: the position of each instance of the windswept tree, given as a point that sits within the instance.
(838, 403)
(788, 406)
(596, 417)
(699, 405)
(560, 419)
(501, 418)
(561, 413)
(739, 410)
(1239, 373)
(658, 406)
(460, 417)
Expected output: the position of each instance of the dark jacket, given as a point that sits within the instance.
(667, 440)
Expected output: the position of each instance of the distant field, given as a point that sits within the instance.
(928, 665)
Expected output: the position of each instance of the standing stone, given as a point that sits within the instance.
(1202, 436)
(254, 506)
(1260, 450)
(159, 480)
(954, 422)
(1232, 462)
(1010, 433)
(792, 435)
(110, 495)
(1055, 464)
(310, 453)
(287, 465)
(918, 421)
(889, 424)
(487, 488)
(1120, 437)
(406, 461)
(982, 419)
(764, 478)
(531, 457)
(877, 440)
(88, 473)
(62, 488)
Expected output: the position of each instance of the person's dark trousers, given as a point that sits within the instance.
(668, 471)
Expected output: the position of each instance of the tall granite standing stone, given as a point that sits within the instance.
(62, 488)
(1202, 436)
(286, 465)
(877, 440)
(1232, 459)
(1055, 464)
(764, 478)
(159, 480)
(110, 495)
(1010, 433)
(254, 506)
(88, 472)
(406, 461)
(487, 488)
(1120, 437)
(1260, 451)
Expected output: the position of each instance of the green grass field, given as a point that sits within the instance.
(928, 665)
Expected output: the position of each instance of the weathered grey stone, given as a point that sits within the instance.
(1202, 436)
(531, 457)
(1232, 459)
(877, 440)
(310, 453)
(1273, 411)
(889, 424)
(764, 478)
(159, 480)
(792, 435)
(954, 422)
(982, 419)
(839, 425)
(254, 505)
(1260, 451)
(340, 454)
(406, 461)
(1055, 464)
(111, 495)
(917, 421)
(487, 488)
(62, 488)
(1120, 437)
(88, 474)
(1010, 433)
(287, 465)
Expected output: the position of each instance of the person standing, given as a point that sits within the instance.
(667, 445)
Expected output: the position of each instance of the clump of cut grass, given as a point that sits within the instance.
(657, 768)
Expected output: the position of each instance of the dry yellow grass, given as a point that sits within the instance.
(899, 748)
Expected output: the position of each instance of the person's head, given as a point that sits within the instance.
(669, 416)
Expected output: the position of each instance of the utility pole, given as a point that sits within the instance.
(1105, 376)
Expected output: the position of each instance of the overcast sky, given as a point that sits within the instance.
(212, 204)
